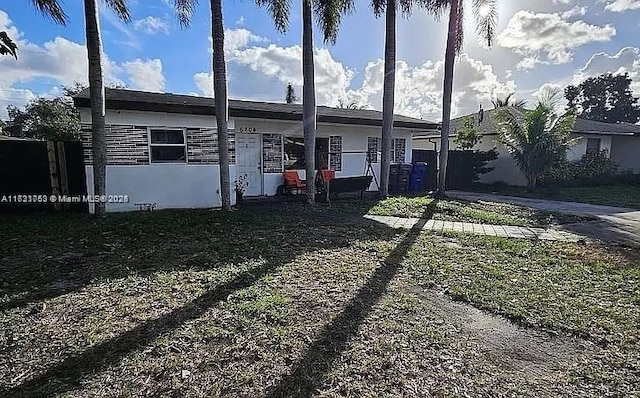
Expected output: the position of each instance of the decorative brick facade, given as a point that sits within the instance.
(129, 145)
(272, 153)
(126, 144)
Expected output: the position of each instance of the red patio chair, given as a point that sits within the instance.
(293, 182)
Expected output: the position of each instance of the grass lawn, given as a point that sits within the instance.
(455, 210)
(614, 195)
(203, 303)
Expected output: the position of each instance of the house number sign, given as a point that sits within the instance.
(246, 129)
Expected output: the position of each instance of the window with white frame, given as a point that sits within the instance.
(167, 146)
(373, 146)
(398, 149)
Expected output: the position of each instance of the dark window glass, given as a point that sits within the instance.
(593, 146)
(293, 153)
(167, 137)
(167, 154)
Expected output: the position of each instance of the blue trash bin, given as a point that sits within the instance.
(418, 172)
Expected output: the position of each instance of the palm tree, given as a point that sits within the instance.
(185, 9)
(388, 92)
(501, 102)
(537, 139)
(329, 13)
(53, 9)
(343, 104)
(485, 15)
(290, 97)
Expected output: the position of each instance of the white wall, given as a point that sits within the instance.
(577, 151)
(625, 151)
(168, 185)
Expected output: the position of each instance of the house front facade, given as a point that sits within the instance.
(620, 142)
(162, 149)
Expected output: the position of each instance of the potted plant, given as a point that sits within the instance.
(241, 183)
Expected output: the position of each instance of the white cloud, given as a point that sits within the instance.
(204, 82)
(549, 38)
(241, 20)
(627, 60)
(622, 5)
(152, 25)
(418, 88)
(145, 74)
(577, 11)
(236, 39)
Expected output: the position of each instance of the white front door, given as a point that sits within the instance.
(248, 153)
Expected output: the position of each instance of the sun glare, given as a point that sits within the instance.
(484, 10)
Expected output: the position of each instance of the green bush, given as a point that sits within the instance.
(590, 170)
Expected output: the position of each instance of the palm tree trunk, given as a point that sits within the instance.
(449, 63)
(308, 101)
(96, 92)
(388, 96)
(221, 105)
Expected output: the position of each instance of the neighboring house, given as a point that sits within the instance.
(620, 141)
(162, 148)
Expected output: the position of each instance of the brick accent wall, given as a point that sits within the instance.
(272, 153)
(126, 144)
(129, 145)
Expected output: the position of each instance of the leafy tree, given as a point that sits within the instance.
(328, 14)
(605, 98)
(485, 15)
(47, 119)
(185, 10)
(469, 135)
(501, 102)
(291, 95)
(537, 139)
(7, 46)
(466, 139)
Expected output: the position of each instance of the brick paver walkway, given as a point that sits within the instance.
(508, 231)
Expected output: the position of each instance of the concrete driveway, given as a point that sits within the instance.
(613, 224)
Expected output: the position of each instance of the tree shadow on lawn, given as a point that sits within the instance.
(303, 236)
(307, 375)
(46, 256)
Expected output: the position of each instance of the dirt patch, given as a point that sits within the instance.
(534, 353)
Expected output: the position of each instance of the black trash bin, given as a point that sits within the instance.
(399, 177)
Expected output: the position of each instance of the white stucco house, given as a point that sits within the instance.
(620, 141)
(162, 148)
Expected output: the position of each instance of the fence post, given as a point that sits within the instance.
(53, 173)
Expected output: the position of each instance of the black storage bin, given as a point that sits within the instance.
(399, 176)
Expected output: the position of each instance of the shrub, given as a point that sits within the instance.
(590, 170)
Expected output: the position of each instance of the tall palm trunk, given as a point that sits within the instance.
(388, 96)
(308, 101)
(220, 93)
(449, 63)
(96, 91)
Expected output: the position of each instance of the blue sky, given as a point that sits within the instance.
(549, 43)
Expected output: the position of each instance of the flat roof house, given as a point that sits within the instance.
(162, 148)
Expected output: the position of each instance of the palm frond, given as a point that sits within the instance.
(378, 6)
(485, 13)
(329, 14)
(51, 9)
(120, 8)
(7, 46)
(279, 10)
(184, 11)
